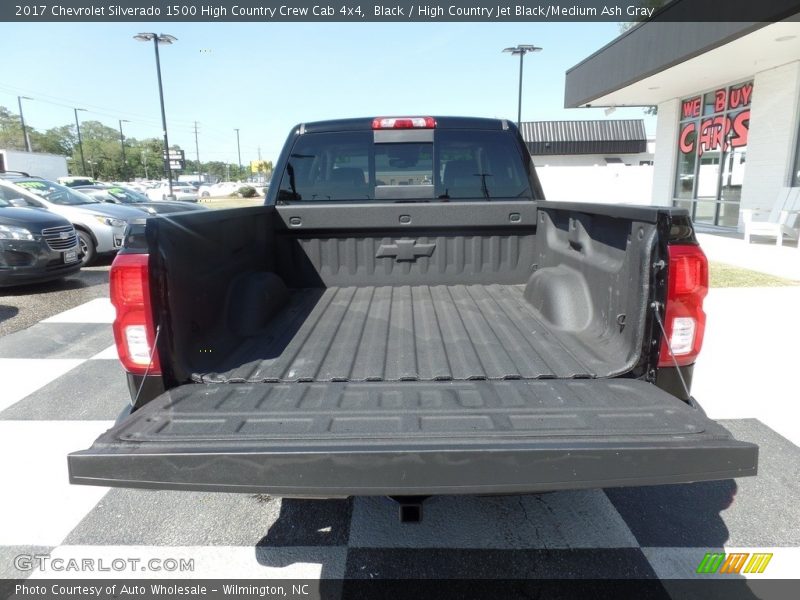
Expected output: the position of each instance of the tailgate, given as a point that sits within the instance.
(413, 438)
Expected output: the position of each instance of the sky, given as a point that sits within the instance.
(266, 77)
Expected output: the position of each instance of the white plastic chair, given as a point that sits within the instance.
(783, 219)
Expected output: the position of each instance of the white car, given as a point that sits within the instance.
(133, 185)
(181, 191)
(100, 226)
(220, 190)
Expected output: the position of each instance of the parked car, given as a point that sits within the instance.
(100, 226)
(221, 189)
(75, 180)
(181, 191)
(35, 245)
(133, 185)
(407, 315)
(117, 194)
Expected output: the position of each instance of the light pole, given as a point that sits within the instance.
(144, 162)
(80, 140)
(122, 144)
(521, 50)
(197, 154)
(239, 151)
(160, 39)
(22, 122)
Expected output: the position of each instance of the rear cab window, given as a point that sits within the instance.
(407, 165)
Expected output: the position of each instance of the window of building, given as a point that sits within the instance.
(796, 173)
(712, 151)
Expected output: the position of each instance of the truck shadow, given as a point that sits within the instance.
(85, 278)
(551, 540)
(309, 532)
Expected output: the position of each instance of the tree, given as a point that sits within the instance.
(147, 153)
(56, 140)
(264, 167)
(216, 169)
(103, 152)
(10, 130)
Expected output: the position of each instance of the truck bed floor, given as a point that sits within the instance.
(405, 333)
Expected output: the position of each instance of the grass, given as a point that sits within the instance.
(726, 276)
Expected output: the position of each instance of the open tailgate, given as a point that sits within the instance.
(413, 438)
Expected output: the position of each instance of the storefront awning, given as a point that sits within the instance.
(658, 61)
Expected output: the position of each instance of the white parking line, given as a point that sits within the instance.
(40, 507)
(109, 353)
(749, 359)
(22, 376)
(99, 310)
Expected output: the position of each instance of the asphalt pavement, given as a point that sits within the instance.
(26, 305)
(62, 386)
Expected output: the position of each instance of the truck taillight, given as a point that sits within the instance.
(134, 332)
(684, 319)
(404, 123)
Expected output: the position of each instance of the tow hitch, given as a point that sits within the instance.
(410, 507)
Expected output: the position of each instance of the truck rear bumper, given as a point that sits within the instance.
(475, 437)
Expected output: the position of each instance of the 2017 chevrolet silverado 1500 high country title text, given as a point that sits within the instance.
(407, 316)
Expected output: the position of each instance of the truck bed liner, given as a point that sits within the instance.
(406, 333)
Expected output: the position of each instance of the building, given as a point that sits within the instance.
(41, 164)
(594, 161)
(728, 98)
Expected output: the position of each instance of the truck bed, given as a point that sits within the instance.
(431, 339)
(405, 333)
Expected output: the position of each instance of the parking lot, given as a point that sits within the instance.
(62, 386)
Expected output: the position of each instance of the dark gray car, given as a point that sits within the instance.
(35, 245)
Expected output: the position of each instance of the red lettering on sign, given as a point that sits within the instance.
(687, 138)
(747, 93)
(741, 96)
(735, 98)
(691, 108)
(713, 134)
(720, 97)
(741, 129)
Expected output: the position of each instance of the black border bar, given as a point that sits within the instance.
(260, 11)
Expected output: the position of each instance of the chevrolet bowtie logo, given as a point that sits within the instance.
(405, 250)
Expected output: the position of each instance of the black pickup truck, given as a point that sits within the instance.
(406, 316)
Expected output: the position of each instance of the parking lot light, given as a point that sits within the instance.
(122, 143)
(25, 138)
(80, 140)
(521, 50)
(157, 39)
(239, 151)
